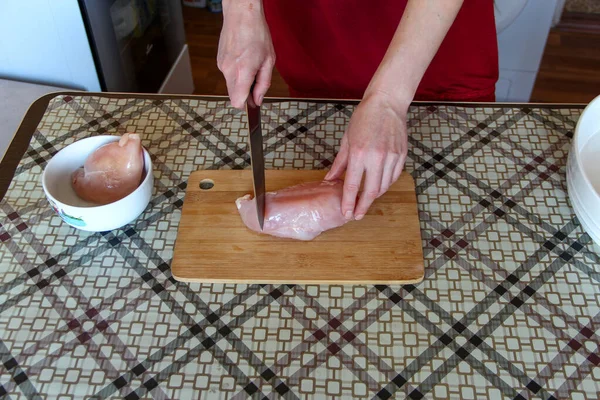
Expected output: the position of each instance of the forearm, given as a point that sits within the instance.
(248, 7)
(416, 41)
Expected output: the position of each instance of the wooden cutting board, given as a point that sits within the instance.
(213, 244)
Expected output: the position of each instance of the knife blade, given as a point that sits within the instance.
(257, 159)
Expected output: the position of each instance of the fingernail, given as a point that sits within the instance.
(327, 176)
(348, 215)
(260, 99)
(359, 217)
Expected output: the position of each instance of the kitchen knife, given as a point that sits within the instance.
(256, 156)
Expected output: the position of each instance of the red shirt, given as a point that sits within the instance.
(331, 49)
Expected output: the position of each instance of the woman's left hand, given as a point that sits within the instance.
(374, 145)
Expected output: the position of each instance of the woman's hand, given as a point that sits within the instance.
(245, 51)
(374, 145)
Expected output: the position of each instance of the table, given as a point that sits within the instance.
(509, 308)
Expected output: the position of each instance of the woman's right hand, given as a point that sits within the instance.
(245, 51)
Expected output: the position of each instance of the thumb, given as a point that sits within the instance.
(339, 164)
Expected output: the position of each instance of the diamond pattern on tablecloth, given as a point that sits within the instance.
(572, 300)
(490, 167)
(457, 290)
(508, 308)
(22, 193)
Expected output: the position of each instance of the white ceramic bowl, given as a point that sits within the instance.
(583, 170)
(56, 181)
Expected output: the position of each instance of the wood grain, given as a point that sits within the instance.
(213, 244)
(569, 69)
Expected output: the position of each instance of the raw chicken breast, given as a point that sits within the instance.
(300, 212)
(111, 172)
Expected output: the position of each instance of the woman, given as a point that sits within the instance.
(386, 53)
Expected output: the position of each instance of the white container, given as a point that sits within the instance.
(583, 170)
(80, 214)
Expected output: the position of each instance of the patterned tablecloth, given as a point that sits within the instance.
(509, 308)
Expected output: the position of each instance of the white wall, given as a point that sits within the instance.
(521, 47)
(44, 41)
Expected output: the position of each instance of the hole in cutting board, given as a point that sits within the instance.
(207, 184)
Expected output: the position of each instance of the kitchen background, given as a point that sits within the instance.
(549, 50)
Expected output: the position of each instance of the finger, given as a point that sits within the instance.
(370, 191)
(241, 88)
(398, 168)
(230, 80)
(263, 82)
(354, 173)
(339, 164)
(388, 173)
